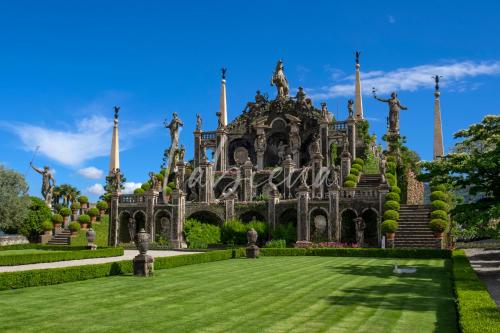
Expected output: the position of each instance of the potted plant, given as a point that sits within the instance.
(74, 227)
(47, 226)
(93, 212)
(167, 193)
(102, 206)
(438, 226)
(57, 220)
(84, 202)
(65, 212)
(75, 206)
(84, 220)
(389, 227)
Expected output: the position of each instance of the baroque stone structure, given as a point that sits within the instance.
(282, 161)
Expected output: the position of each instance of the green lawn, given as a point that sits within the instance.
(25, 251)
(270, 294)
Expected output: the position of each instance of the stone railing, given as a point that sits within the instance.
(211, 135)
(130, 198)
(359, 193)
(340, 125)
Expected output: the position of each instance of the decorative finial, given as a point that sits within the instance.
(436, 80)
(116, 108)
(223, 70)
(357, 53)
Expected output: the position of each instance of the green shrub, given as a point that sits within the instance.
(391, 205)
(32, 224)
(392, 182)
(389, 226)
(391, 215)
(349, 183)
(65, 211)
(438, 225)
(47, 225)
(438, 187)
(57, 218)
(93, 212)
(200, 235)
(392, 196)
(391, 159)
(160, 177)
(276, 243)
(359, 252)
(477, 312)
(168, 190)
(358, 167)
(395, 189)
(138, 191)
(352, 178)
(74, 226)
(360, 161)
(235, 231)
(103, 205)
(391, 167)
(75, 205)
(440, 205)
(171, 185)
(146, 186)
(439, 214)
(288, 232)
(390, 176)
(84, 218)
(354, 171)
(83, 199)
(439, 195)
(259, 226)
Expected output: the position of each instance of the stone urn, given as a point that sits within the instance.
(91, 238)
(390, 235)
(252, 250)
(142, 240)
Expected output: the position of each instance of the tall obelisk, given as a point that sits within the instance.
(438, 130)
(223, 105)
(114, 156)
(357, 91)
(221, 154)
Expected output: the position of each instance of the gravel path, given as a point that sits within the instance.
(128, 255)
(486, 263)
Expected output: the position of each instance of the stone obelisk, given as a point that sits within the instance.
(357, 91)
(223, 105)
(114, 157)
(221, 153)
(438, 130)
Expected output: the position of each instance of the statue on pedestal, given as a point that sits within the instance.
(360, 230)
(394, 108)
(174, 126)
(198, 122)
(48, 183)
(280, 81)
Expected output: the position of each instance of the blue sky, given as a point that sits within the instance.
(64, 65)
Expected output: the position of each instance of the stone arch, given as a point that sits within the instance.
(348, 226)
(140, 220)
(163, 225)
(249, 215)
(370, 218)
(124, 234)
(276, 120)
(206, 216)
(318, 219)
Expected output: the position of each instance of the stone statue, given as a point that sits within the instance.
(174, 127)
(301, 96)
(48, 182)
(116, 109)
(357, 53)
(280, 80)
(360, 230)
(219, 119)
(436, 80)
(394, 108)
(198, 122)
(260, 143)
(223, 71)
(281, 151)
(315, 145)
(131, 228)
(350, 104)
(115, 180)
(334, 178)
(182, 153)
(324, 111)
(155, 183)
(383, 168)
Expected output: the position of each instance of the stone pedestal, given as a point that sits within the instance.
(303, 227)
(143, 265)
(252, 250)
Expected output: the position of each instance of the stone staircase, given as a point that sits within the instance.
(413, 228)
(369, 180)
(62, 237)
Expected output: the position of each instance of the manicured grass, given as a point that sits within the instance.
(101, 234)
(270, 294)
(26, 251)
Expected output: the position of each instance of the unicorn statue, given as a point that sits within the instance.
(280, 80)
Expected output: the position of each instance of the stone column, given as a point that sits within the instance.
(334, 231)
(317, 183)
(247, 181)
(274, 199)
(325, 149)
(345, 165)
(197, 148)
(351, 134)
(179, 210)
(181, 175)
(206, 186)
(221, 150)
(151, 198)
(383, 189)
(288, 167)
(114, 222)
(303, 227)
(229, 203)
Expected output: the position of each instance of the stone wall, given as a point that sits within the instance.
(12, 240)
(415, 190)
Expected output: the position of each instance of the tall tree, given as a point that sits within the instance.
(14, 200)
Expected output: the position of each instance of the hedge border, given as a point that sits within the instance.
(36, 258)
(44, 247)
(476, 310)
(359, 252)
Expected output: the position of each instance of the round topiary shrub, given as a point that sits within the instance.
(171, 185)
(389, 226)
(391, 182)
(57, 218)
(84, 218)
(102, 205)
(440, 205)
(439, 195)
(357, 166)
(438, 225)
(438, 187)
(47, 225)
(93, 212)
(139, 191)
(355, 172)
(75, 205)
(160, 177)
(391, 205)
(74, 227)
(168, 190)
(390, 176)
(349, 183)
(439, 214)
(360, 161)
(352, 177)
(83, 199)
(392, 196)
(391, 215)
(65, 211)
(395, 189)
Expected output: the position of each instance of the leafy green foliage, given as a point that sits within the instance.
(351, 177)
(359, 161)
(357, 166)
(75, 205)
(276, 243)
(359, 252)
(287, 231)
(14, 200)
(439, 195)
(199, 235)
(349, 183)
(392, 205)
(438, 187)
(102, 205)
(47, 225)
(57, 218)
(395, 189)
(389, 226)
(101, 234)
(38, 213)
(439, 214)
(83, 199)
(392, 196)
(391, 215)
(74, 226)
(438, 225)
(146, 186)
(354, 172)
(440, 205)
(235, 231)
(84, 218)
(139, 191)
(65, 211)
(93, 212)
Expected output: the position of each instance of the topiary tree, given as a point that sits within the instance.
(354, 172)
(75, 205)
(439, 205)
(392, 196)
(65, 211)
(84, 219)
(83, 199)
(349, 183)
(439, 214)
(438, 225)
(439, 195)
(47, 225)
(102, 206)
(352, 177)
(74, 227)
(391, 215)
(392, 205)
(360, 161)
(93, 213)
(396, 189)
(57, 218)
(389, 226)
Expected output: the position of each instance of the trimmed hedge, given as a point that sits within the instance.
(389, 226)
(440, 205)
(438, 225)
(477, 312)
(395, 189)
(191, 259)
(439, 214)
(392, 205)
(360, 161)
(359, 252)
(352, 178)
(391, 215)
(357, 166)
(43, 247)
(392, 196)
(349, 183)
(439, 187)
(35, 258)
(439, 195)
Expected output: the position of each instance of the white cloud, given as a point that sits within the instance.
(96, 189)
(91, 172)
(130, 187)
(410, 79)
